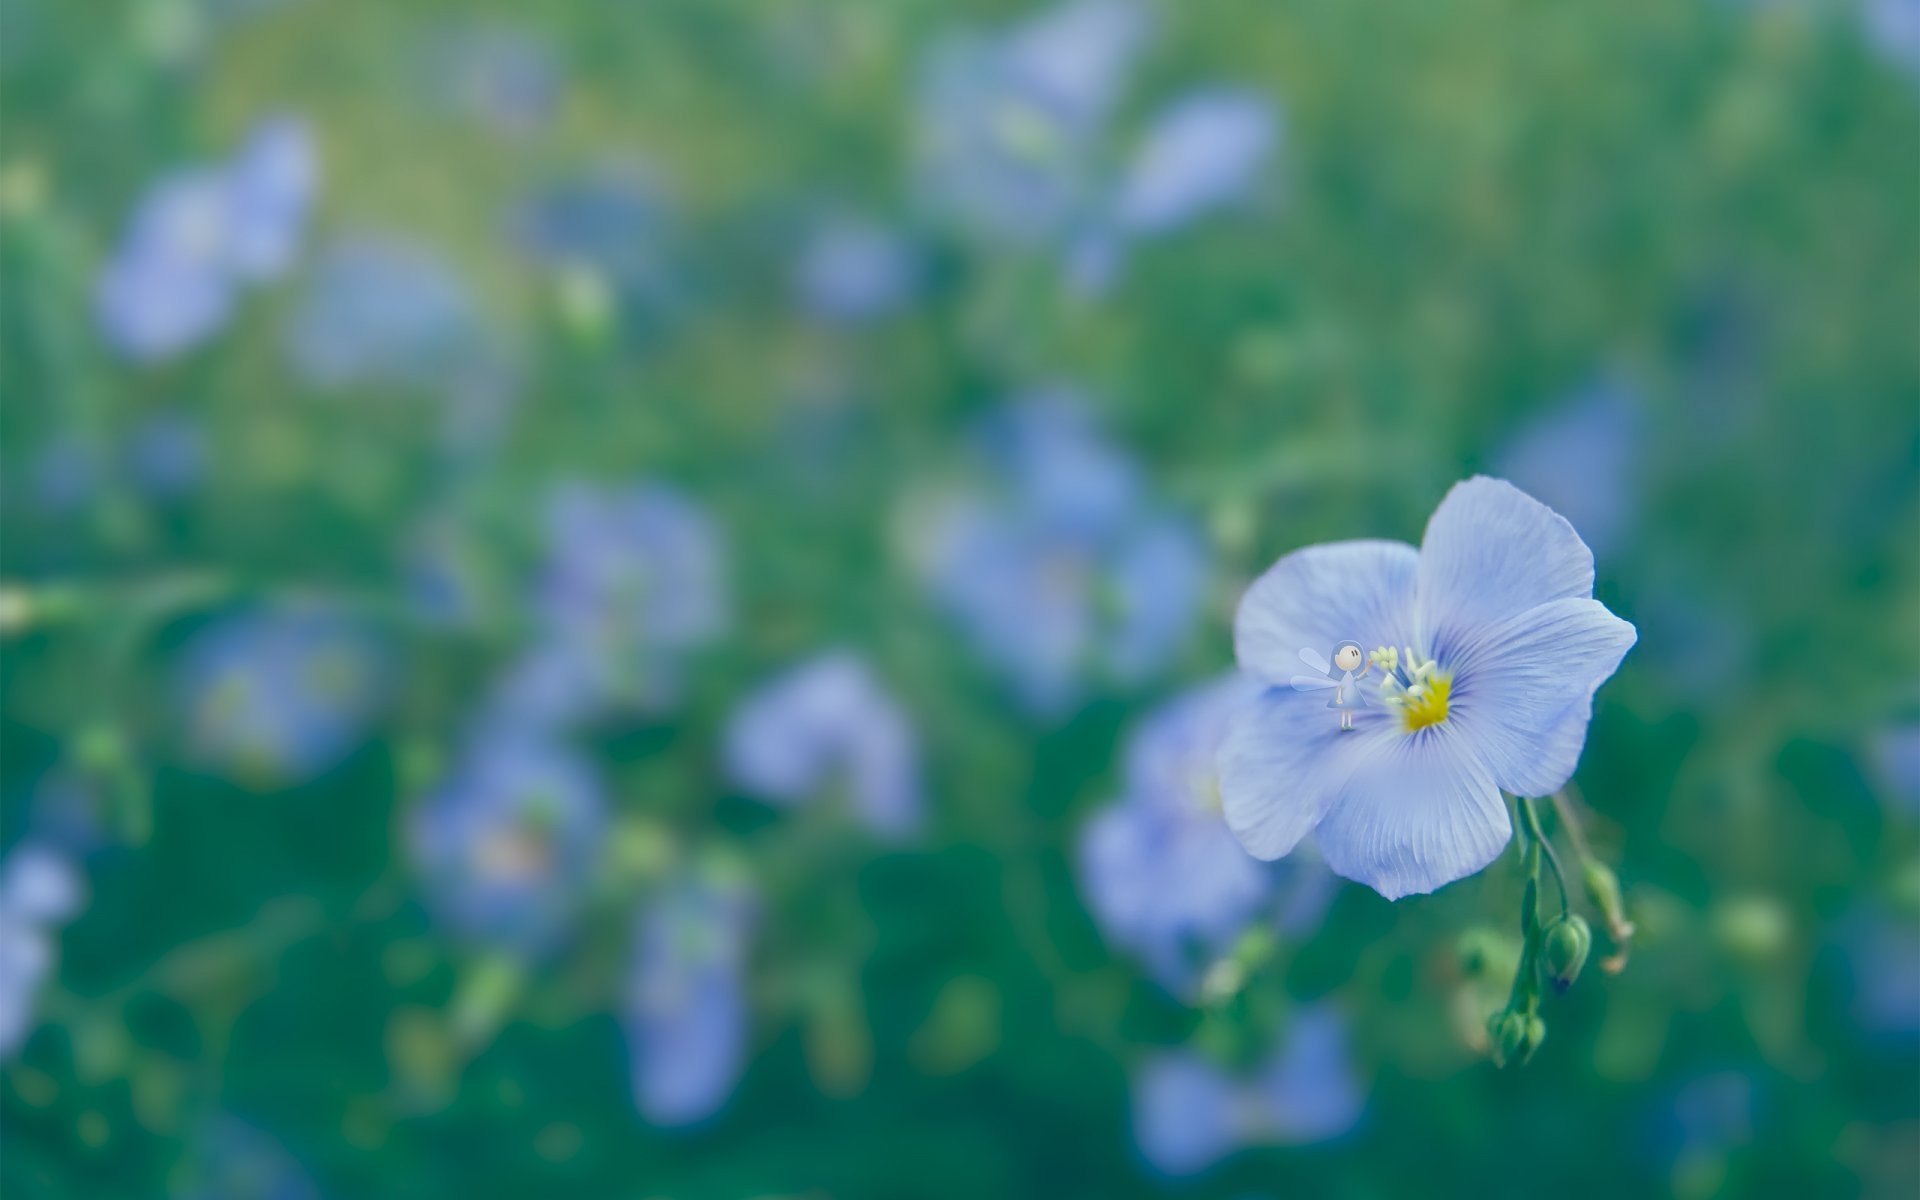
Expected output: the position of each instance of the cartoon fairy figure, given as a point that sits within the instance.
(1347, 692)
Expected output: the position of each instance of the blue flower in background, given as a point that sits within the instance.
(1876, 947)
(276, 696)
(852, 271)
(228, 1159)
(1310, 1092)
(686, 1009)
(1061, 569)
(1895, 751)
(1893, 28)
(385, 311)
(829, 723)
(199, 236)
(499, 75)
(1016, 144)
(166, 456)
(1504, 650)
(1582, 460)
(1202, 153)
(39, 891)
(1189, 1113)
(506, 845)
(634, 582)
(1705, 1118)
(67, 472)
(1164, 876)
(1011, 124)
(1186, 1114)
(607, 232)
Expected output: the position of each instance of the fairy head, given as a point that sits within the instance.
(1348, 656)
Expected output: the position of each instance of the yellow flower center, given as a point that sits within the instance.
(1426, 703)
(1416, 686)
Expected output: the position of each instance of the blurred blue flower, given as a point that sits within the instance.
(852, 271)
(686, 1008)
(548, 687)
(1895, 751)
(199, 235)
(1893, 28)
(1877, 949)
(1061, 569)
(1163, 874)
(635, 581)
(228, 1159)
(1204, 151)
(67, 472)
(384, 311)
(1186, 1113)
(1189, 1114)
(449, 573)
(1707, 1116)
(275, 696)
(1504, 648)
(499, 75)
(1311, 1092)
(166, 455)
(39, 891)
(507, 844)
(1582, 460)
(1010, 124)
(829, 723)
(610, 231)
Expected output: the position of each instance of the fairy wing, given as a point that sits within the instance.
(1309, 683)
(1313, 658)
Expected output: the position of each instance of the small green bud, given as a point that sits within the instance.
(1603, 888)
(1507, 1037)
(1567, 941)
(1536, 1035)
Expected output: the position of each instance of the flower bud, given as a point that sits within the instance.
(1564, 950)
(1603, 888)
(1507, 1037)
(1536, 1034)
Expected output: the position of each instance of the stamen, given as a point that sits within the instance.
(1417, 687)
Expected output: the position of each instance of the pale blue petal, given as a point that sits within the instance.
(1283, 765)
(1523, 690)
(26, 956)
(1492, 551)
(1204, 152)
(39, 886)
(1417, 811)
(1320, 596)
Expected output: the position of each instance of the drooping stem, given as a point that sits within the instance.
(1563, 808)
(1532, 818)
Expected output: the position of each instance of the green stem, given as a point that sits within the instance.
(1563, 809)
(1532, 819)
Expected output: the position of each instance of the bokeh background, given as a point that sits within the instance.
(625, 599)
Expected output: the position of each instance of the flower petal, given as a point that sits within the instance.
(1282, 765)
(1322, 595)
(1523, 690)
(1420, 812)
(1491, 551)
